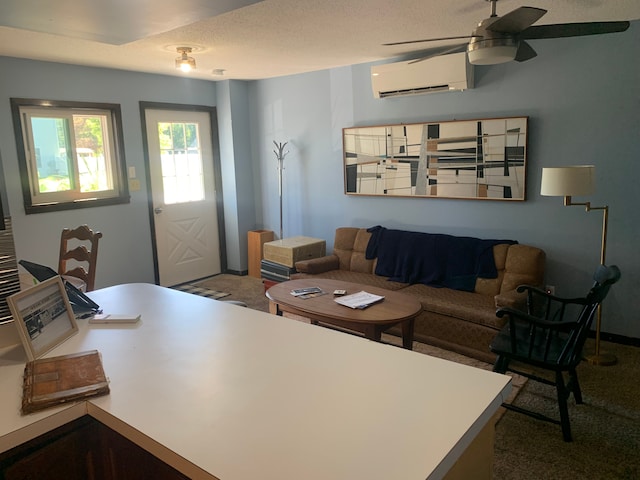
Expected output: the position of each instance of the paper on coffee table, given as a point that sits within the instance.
(359, 300)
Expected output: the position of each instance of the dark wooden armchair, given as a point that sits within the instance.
(76, 260)
(550, 337)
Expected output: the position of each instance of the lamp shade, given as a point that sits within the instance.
(576, 180)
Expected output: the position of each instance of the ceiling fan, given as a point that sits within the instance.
(502, 39)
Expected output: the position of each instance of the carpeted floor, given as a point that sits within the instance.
(241, 288)
(606, 428)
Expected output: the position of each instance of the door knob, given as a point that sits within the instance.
(157, 210)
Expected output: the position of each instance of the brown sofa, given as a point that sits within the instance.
(460, 321)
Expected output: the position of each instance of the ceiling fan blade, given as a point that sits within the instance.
(525, 52)
(457, 49)
(560, 30)
(429, 40)
(517, 20)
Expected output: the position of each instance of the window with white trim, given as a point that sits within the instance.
(70, 154)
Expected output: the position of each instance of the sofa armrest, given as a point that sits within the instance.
(318, 265)
(511, 299)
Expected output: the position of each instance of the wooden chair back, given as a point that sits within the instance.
(79, 254)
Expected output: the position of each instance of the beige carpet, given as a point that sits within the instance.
(606, 428)
(240, 288)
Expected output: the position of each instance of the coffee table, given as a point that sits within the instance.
(396, 308)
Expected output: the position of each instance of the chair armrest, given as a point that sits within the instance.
(318, 265)
(533, 320)
(512, 299)
(543, 293)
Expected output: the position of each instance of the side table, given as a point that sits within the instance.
(255, 241)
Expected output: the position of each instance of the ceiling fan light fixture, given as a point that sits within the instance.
(492, 52)
(184, 62)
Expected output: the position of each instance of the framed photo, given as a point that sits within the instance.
(43, 316)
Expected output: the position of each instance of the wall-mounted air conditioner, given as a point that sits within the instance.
(437, 74)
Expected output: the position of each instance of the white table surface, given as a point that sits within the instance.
(218, 390)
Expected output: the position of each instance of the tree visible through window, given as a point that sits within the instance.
(70, 154)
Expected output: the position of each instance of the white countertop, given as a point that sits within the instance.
(218, 390)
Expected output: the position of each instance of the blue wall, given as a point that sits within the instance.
(125, 250)
(582, 97)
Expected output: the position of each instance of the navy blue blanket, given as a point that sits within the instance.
(432, 259)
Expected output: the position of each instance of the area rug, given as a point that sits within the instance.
(203, 292)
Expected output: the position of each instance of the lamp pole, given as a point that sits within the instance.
(601, 358)
(598, 358)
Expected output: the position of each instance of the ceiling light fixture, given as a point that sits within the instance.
(491, 51)
(184, 62)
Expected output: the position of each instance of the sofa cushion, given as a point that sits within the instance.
(359, 262)
(491, 286)
(466, 306)
(524, 266)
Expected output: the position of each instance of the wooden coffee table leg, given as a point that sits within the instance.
(407, 334)
(274, 309)
(373, 332)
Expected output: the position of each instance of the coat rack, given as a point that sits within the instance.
(280, 154)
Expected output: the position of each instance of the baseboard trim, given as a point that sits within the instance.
(615, 338)
(240, 273)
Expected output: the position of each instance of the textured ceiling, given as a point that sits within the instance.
(251, 39)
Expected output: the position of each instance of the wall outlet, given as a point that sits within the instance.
(550, 289)
(134, 185)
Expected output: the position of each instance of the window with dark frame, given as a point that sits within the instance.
(70, 154)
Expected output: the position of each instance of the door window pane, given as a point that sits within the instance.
(181, 161)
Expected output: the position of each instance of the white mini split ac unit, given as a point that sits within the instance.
(436, 74)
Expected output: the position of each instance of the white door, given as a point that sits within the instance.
(183, 195)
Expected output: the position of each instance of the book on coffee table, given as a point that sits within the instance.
(359, 300)
(52, 381)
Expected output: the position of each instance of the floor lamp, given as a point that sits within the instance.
(580, 180)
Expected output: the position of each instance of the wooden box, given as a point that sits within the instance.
(256, 239)
(288, 251)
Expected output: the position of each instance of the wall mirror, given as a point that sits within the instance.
(471, 159)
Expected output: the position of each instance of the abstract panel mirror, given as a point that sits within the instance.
(473, 159)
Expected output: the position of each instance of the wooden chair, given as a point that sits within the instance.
(76, 260)
(548, 337)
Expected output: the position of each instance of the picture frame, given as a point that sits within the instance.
(476, 159)
(43, 316)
